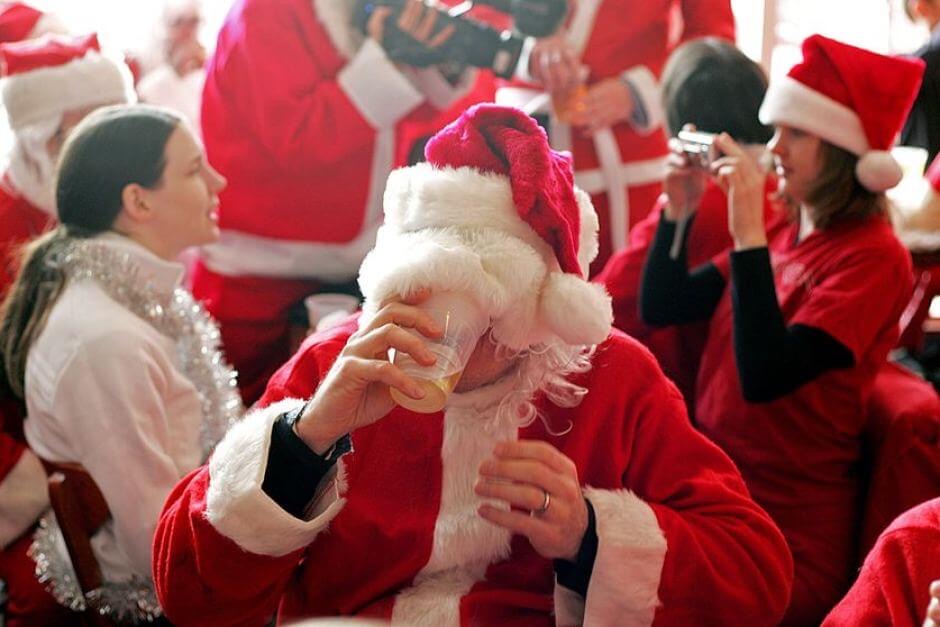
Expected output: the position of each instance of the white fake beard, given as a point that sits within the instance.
(31, 169)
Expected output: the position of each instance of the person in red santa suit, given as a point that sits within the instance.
(900, 578)
(561, 483)
(602, 71)
(317, 107)
(49, 85)
(800, 319)
(712, 85)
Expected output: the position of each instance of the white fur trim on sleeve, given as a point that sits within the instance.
(569, 607)
(380, 92)
(438, 90)
(646, 85)
(236, 505)
(23, 497)
(630, 555)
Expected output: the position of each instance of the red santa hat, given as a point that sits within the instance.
(20, 21)
(54, 74)
(850, 97)
(494, 212)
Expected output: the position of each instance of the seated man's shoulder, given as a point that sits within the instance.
(300, 375)
(623, 356)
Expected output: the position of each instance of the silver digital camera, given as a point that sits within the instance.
(699, 148)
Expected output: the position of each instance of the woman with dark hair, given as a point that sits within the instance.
(119, 368)
(800, 318)
(710, 84)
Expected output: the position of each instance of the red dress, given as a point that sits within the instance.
(799, 454)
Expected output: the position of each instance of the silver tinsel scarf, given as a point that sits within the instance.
(181, 318)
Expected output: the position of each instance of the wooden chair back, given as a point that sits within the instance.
(80, 510)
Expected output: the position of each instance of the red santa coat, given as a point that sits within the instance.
(799, 454)
(622, 166)
(302, 115)
(893, 586)
(680, 541)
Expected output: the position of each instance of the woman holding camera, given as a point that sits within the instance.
(119, 368)
(801, 320)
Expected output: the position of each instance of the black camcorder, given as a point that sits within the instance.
(473, 43)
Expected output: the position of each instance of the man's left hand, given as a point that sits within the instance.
(540, 486)
(606, 103)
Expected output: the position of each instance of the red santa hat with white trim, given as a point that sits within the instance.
(20, 21)
(853, 98)
(494, 213)
(54, 74)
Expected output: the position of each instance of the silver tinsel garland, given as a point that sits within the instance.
(177, 316)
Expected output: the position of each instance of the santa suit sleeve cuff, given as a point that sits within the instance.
(23, 497)
(627, 569)
(644, 88)
(381, 93)
(437, 89)
(238, 507)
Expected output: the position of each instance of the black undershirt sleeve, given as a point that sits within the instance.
(773, 359)
(576, 575)
(294, 472)
(669, 293)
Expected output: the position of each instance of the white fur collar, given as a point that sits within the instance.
(336, 17)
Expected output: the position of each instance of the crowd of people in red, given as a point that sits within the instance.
(678, 288)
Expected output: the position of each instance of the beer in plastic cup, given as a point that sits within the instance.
(463, 323)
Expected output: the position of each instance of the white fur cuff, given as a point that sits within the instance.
(630, 555)
(23, 497)
(236, 505)
(380, 92)
(569, 607)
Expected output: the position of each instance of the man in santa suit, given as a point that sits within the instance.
(49, 85)
(302, 113)
(613, 123)
(561, 483)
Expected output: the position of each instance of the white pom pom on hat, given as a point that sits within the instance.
(878, 171)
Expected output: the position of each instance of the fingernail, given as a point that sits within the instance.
(417, 391)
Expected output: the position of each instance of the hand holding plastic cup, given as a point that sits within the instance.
(569, 103)
(463, 323)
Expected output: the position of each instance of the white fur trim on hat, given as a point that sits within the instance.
(790, 102)
(457, 229)
(576, 311)
(878, 171)
(94, 79)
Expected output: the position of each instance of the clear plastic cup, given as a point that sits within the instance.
(329, 307)
(463, 324)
